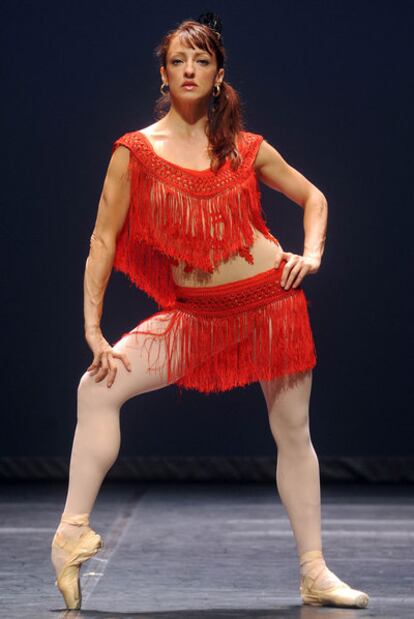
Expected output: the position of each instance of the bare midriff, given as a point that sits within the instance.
(265, 253)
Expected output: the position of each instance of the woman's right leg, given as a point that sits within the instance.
(97, 438)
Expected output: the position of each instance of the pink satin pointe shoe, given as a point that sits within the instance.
(78, 551)
(338, 594)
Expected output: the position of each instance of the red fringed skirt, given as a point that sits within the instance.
(220, 337)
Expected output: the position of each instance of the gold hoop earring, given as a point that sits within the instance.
(163, 85)
(217, 92)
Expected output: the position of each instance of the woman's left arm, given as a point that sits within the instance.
(276, 173)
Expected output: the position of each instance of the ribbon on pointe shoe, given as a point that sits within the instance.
(309, 555)
(338, 593)
(66, 544)
(76, 519)
(78, 552)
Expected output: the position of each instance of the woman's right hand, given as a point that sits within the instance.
(103, 357)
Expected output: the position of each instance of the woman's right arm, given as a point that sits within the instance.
(112, 210)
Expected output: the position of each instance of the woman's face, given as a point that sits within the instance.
(185, 64)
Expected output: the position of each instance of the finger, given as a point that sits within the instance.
(112, 371)
(278, 262)
(104, 366)
(98, 374)
(285, 274)
(304, 270)
(103, 370)
(286, 271)
(286, 255)
(283, 257)
(97, 363)
(124, 360)
(292, 275)
(299, 277)
(94, 367)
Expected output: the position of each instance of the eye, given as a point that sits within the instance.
(201, 60)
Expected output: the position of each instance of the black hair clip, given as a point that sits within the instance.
(213, 21)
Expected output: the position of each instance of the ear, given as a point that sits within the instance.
(220, 75)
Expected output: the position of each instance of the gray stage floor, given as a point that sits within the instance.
(206, 551)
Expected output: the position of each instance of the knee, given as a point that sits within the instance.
(291, 431)
(89, 392)
(85, 388)
(85, 384)
(93, 395)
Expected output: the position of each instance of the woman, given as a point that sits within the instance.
(180, 215)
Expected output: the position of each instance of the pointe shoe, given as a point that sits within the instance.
(340, 594)
(78, 551)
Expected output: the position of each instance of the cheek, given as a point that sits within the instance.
(208, 76)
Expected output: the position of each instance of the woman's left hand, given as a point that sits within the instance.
(296, 268)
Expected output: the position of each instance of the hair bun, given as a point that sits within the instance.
(211, 20)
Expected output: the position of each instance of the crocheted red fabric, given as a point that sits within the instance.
(175, 213)
(219, 337)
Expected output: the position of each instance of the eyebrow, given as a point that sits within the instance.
(196, 54)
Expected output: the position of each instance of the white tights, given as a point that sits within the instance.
(97, 437)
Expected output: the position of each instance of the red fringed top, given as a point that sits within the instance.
(175, 213)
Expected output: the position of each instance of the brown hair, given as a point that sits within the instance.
(224, 112)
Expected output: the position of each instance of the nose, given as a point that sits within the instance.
(189, 70)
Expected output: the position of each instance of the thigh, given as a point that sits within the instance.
(147, 356)
(287, 398)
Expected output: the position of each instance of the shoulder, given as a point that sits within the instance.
(150, 130)
(128, 139)
(248, 138)
(265, 153)
(249, 145)
(137, 139)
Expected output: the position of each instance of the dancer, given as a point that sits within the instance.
(180, 215)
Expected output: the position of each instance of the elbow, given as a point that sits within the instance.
(102, 242)
(316, 198)
(320, 199)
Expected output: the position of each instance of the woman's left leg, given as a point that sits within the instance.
(297, 468)
(298, 484)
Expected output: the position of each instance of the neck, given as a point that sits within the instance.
(186, 120)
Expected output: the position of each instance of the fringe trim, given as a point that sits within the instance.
(215, 354)
(197, 229)
(200, 221)
(148, 269)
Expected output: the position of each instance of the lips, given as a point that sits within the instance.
(189, 84)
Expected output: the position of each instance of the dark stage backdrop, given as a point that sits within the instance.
(327, 84)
